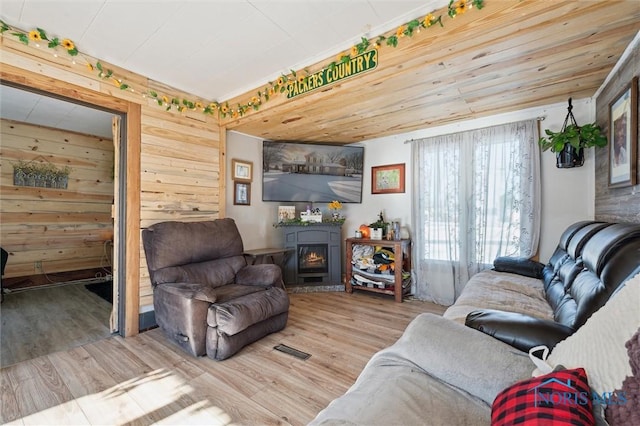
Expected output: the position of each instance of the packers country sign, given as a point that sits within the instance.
(363, 62)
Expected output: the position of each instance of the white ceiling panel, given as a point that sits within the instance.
(385, 9)
(33, 108)
(63, 19)
(254, 35)
(191, 31)
(348, 19)
(10, 9)
(121, 28)
(277, 55)
(86, 120)
(172, 41)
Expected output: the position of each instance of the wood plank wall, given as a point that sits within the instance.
(64, 229)
(180, 174)
(180, 153)
(616, 204)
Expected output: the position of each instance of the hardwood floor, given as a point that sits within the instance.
(41, 321)
(146, 379)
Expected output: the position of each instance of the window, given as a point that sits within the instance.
(477, 197)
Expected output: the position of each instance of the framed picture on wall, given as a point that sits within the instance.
(623, 136)
(241, 171)
(241, 194)
(387, 179)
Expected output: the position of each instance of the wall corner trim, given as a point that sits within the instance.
(625, 55)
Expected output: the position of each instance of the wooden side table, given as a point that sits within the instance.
(263, 255)
(402, 261)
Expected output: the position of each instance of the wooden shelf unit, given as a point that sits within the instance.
(402, 260)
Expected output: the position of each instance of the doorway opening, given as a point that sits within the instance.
(64, 276)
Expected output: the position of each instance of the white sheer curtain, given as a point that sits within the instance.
(476, 197)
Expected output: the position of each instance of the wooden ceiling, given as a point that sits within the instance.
(509, 56)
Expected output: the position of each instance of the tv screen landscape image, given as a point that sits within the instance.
(305, 172)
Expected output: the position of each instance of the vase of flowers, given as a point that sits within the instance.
(334, 208)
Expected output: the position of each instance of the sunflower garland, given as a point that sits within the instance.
(454, 9)
(270, 90)
(39, 35)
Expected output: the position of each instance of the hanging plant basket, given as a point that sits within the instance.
(569, 157)
(570, 142)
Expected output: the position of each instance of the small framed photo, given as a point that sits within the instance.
(286, 213)
(241, 193)
(623, 136)
(387, 179)
(242, 171)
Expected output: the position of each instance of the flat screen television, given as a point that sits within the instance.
(311, 172)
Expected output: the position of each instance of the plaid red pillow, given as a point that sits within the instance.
(558, 398)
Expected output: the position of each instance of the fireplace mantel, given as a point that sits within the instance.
(325, 234)
(295, 223)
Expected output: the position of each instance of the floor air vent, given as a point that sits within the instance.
(291, 351)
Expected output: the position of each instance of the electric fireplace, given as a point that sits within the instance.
(317, 261)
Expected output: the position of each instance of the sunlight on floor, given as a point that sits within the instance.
(200, 413)
(158, 397)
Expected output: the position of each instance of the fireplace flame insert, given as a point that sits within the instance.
(313, 259)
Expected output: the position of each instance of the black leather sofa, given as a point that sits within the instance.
(592, 261)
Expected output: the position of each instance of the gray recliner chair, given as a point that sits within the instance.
(206, 298)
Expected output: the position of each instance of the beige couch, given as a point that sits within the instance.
(526, 304)
(441, 372)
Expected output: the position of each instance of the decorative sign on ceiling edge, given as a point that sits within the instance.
(363, 62)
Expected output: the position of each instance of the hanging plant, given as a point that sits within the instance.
(569, 143)
(44, 175)
(585, 136)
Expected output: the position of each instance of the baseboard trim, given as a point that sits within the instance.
(37, 280)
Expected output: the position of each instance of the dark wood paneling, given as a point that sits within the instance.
(616, 204)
